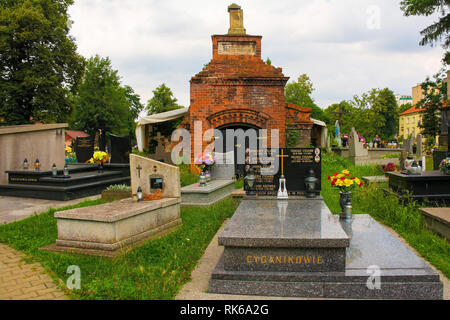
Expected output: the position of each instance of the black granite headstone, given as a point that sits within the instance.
(295, 164)
(84, 149)
(120, 149)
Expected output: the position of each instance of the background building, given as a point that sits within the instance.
(402, 99)
(409, 122)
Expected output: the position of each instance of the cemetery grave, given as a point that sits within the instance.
(110, 229)
(74, 181)
(296, 247)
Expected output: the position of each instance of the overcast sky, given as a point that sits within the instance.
(346, 47)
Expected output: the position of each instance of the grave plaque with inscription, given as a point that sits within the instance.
(84, 149)
(294, 163)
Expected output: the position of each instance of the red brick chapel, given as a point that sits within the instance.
(237, 89)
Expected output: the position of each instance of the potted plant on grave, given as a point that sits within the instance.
(345, 184)
(116, 192)
(444, 166)
(99, 158)
(205, 162)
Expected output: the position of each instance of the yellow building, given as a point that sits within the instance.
(409, 122)
(417, 94)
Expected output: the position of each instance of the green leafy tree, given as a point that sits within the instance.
(438, 31)
(162, 101)
(102, 103)
(347, 118)
(135, 107)
(435, 95)
(402, 108)
(299, 93)
(384, 105)
(40, 70)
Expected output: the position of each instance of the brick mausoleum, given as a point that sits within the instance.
(237, 89)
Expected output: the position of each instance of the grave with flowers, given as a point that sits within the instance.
(216, 181)
(284, 241)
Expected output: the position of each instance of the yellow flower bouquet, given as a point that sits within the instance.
(99, 157)
(343, 181)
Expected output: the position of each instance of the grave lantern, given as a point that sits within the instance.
(251, 178)
(54, 170)
(310, 183)
(37, 165)
(139, 194)
(26, 165)
(66, 171)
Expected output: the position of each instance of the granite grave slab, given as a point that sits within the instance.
(403, 275)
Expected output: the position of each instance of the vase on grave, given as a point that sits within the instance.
(345, 201)
(202, 179)
(207, 176)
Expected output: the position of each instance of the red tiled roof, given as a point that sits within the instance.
(74, 134)
(413, 109)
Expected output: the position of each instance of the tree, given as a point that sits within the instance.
(135, 107)
(162, 101)
(299, 93)
(385, 108)
(374, 112)
(102, 103)
(439, 30)
(435, 95)
(40, 70)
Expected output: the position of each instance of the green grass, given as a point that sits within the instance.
(186, 176)
(159, 268)
(405, 220)
(332, 163)
(239, 184)
(155, 270)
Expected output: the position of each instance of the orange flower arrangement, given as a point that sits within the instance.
(153, 196)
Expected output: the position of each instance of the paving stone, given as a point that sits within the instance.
(21, 281)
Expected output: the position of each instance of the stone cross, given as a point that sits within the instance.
(340, 114)
(139, 168)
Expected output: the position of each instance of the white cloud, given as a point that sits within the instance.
(151, 42)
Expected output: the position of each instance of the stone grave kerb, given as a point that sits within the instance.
(142, 169)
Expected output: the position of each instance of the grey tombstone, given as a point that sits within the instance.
(120, 149)
(224, 167)
(358, 154)
(419, 145)
(407, 146)
(84, 149)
